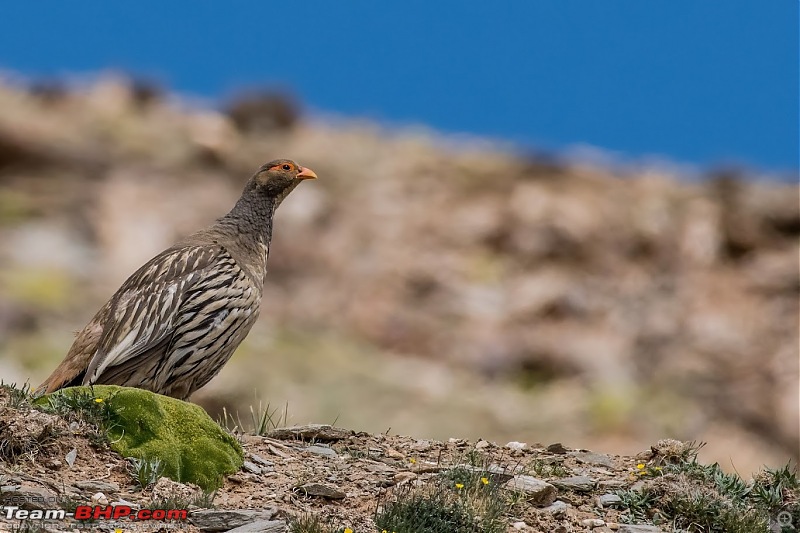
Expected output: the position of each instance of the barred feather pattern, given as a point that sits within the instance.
(176, 322)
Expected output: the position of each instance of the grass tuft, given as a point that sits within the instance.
(262, 420)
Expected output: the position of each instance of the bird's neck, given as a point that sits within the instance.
(248, 227)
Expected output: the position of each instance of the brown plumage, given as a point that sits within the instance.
(178, 319)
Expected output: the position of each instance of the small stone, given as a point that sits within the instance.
(97, 486)
(613, 526)
(557, 448)
(576, 483)
(519, 525)
(594, 459)
(609, 500)
(71, 456)
(262, 526)
(540, 493)
(404, 477)
(631, 528)
(251, 467)
(213, 520)
(320, 490)
(260, 460)
(557, 508)
(325, 451)
(514, 445)
(393, 454)
(593, 522)
(98, 498)
(235, 479)
(482, 445)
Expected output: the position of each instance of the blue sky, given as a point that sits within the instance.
(693, 81)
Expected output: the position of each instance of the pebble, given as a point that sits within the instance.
(514, 445)
(98, 498)
(404, 477)
(557, 508)
(519, 525)
(482, 444)
(557, 448)
(609, 500)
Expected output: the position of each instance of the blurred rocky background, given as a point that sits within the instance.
(423, 285)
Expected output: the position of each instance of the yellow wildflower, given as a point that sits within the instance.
(412, 461)
(459, 485)
(485, 480)
(640, 466)
(98, 400)
(348, 530)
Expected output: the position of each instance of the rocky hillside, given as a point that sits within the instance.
(436, 286)
(323, 479)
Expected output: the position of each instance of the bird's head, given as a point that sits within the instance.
(277, 178)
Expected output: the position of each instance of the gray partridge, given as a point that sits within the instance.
(177, 320)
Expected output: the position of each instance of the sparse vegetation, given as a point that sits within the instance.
(311, 523)
(145, 472)
(79, 405)
(263, 419)
(204, 500)
(695, 497)
(461, 500)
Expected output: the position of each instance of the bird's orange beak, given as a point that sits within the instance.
(306, 174)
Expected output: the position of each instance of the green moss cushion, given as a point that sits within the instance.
(189, 444)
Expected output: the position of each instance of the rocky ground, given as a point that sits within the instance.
(433, 285)
(322, 479)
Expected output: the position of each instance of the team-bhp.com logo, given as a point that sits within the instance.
(96, 512)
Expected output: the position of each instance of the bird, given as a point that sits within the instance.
(175, 322)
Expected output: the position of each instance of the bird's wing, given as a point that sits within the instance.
(142, 312)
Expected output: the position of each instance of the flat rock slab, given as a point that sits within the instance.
(318, 432)
(576, 483)
(630, 528)
(540, 493)
(320, 490)
(609, 500)
(213, 520)
(321, 450)
(28, 497)
(592, 458)
(262, 526)
(97, 486)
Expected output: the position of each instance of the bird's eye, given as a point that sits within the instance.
(287, 167)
